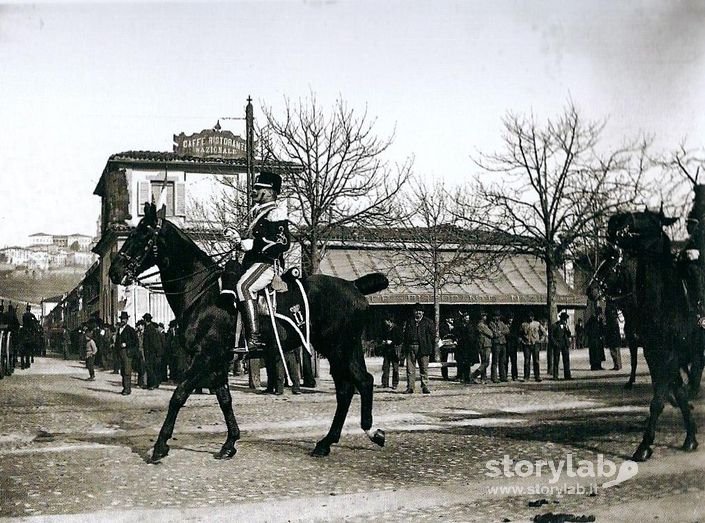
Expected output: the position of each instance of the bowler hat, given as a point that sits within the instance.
(147, 316)
(563, 314)
(124, 315)
(269, 180)
(418, 307)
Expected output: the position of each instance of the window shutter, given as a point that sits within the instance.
(180, 207)
(143, 195)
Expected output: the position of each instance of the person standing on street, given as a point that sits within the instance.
(127, 344)
(560, 342)
(153, 351)
(595, 332)
(484, 347)
(500, 330)
(418, 336)
(390, 345)
(65, 342)
(447, 343)
(529, 335)
(91, 351)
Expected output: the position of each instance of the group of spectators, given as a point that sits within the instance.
(146, 354)
(489, 344)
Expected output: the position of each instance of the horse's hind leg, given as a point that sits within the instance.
(225, 401)
(661, 386)
(680, 391)
(343, 394)
(178, 399)
(364, 382)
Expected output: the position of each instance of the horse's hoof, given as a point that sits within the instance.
(690, 444)
(159, 453)
(320, 451)
(226, 452)
(378, 437)
(642, 454)
(629, 385)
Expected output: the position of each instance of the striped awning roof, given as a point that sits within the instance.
(520, 280)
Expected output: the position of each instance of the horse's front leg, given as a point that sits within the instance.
(365, 385)
(178, 399)
(343, 394)
(633, 354)
(225, 401)
(661, 384)
(680, 391)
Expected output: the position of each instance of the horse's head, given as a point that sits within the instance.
(139, 252)
(638, 231)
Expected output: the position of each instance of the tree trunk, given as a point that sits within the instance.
(437, 322)
(311, 255)
(550, 295)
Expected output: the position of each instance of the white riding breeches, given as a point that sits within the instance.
(253, 280)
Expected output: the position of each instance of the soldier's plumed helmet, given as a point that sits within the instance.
(268, 180)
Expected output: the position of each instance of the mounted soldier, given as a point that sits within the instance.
(266, 240)
(691, 263)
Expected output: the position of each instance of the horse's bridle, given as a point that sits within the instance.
(132, 265)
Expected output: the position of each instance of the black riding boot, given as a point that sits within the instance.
(255, 345)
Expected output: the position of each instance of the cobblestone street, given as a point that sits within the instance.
(76, 450)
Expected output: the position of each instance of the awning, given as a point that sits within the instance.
(520, 280)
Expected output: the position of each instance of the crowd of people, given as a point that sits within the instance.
(486, 348)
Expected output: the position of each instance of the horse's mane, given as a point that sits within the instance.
(191, 245)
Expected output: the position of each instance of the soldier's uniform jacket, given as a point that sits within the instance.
(692, 266)
(270, 231)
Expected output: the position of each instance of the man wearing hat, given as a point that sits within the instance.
(560, 340)
(127, 345)
(418, 337)
(266, 240)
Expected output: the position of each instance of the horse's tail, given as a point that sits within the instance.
(371, 283)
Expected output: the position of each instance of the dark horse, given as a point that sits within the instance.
(338, 313)
(670, 338)
(614, 281)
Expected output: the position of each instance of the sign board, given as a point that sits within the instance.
(210, 143)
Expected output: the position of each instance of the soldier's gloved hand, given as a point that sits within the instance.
(247, 244)
(692, 254)
(231, 235)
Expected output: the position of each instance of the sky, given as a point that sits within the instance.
(79, 82)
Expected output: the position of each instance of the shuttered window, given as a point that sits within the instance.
(175, 198)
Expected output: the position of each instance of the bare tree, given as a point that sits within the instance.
(680, 175)
(557, 186)
(431, 249)
(341, 177)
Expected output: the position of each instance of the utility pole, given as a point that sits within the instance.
(249, 149)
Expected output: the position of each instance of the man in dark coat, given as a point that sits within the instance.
(153, 346)
(613, 336)
(595, 332)
(466, 350)
(560, 340)
(128, 346)
(418, 335)
(390, 345)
